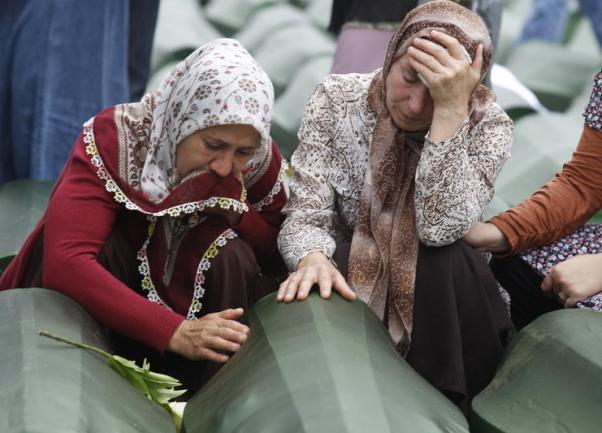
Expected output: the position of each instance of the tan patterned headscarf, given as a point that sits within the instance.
(384, 248)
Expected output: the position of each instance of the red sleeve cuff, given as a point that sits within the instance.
(164, 327)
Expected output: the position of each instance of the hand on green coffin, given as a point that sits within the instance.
(318, 366)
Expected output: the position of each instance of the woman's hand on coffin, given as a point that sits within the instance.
(315, 268)
(211, 337)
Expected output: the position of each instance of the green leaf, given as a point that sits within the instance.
(117, 367)
(164, 395)
(319, 366)
(151, 376)
(50, 387)
(128, 364)
(135, 378)
(155, 386)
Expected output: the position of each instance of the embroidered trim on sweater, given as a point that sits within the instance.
(204, 265)
(174, 211)
(269, 199)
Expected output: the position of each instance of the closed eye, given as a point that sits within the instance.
(246, 151)
(410, 80)
(215, 145)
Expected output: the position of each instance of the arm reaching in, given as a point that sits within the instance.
(487, 237)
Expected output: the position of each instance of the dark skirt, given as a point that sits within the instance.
(527, 300)
(234, 280)
(460, 323)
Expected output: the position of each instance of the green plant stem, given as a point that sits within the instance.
(75, 343)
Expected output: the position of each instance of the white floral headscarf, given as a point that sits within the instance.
(218, 84)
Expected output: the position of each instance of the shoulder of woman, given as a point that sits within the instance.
(348, 82)
(498, 112)
(495, 114)
(343, 88)
(103, 130)
(105, 118)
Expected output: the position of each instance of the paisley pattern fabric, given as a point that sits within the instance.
(218, 84)
(586, 240)
(593, 111)
(449, 200)
(331, 165)
(384, 247)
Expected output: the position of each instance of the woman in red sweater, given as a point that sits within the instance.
(157, 219)
(550, 258)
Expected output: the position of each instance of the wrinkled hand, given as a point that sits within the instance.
(575, 279)
(446, 71)
(315, 268)
(210, 336)
(487, 237)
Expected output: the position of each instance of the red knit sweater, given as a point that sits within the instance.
(80, 215)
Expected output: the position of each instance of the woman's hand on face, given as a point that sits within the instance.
(487, 237)
(210, 337)
(446, 71)
(315, 268)
(575, 279)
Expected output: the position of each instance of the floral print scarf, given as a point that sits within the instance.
(218, 84)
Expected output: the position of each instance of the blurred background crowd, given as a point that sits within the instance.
(62, 61)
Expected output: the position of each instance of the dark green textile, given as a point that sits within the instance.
(50, 387)
(319, 366)
(550, 379)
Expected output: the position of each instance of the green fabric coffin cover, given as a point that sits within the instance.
(50, 387)
(22, 203)
(321, 367)
(550, 379)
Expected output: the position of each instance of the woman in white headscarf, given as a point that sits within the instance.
(163, 211)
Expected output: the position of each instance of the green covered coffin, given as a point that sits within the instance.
(549, 381)
(22, 203)
(50, 387)
(322, 367)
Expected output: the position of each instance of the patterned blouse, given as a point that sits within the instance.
(454, 178)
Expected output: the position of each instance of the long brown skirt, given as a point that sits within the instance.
(460, 323)
(234, 280)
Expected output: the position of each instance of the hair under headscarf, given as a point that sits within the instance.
(384, 249)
